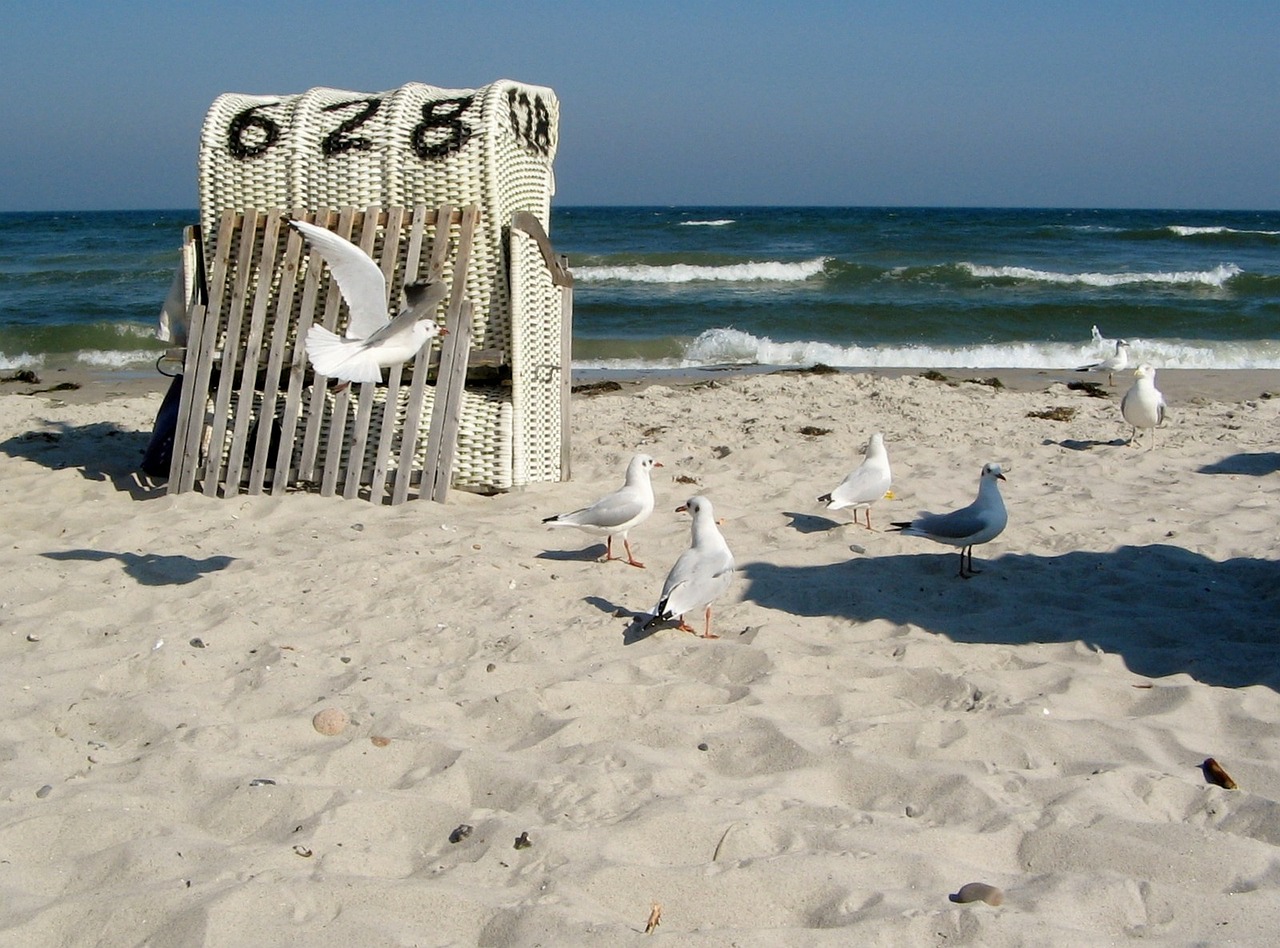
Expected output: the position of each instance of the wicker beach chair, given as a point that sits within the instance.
(451, 185)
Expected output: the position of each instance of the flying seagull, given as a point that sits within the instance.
(372, 340)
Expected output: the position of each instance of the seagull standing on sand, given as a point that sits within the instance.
(1116, 363)
(866, 484)
(980, 522)
(372, 340)
(1143, 405)
(701, 574)
(614, 514)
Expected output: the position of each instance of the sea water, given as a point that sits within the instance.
(682, 287)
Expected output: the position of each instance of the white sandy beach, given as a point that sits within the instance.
(870, 733)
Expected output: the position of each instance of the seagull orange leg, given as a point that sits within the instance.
(707, 634)
(630, 558)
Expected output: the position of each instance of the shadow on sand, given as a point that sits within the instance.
(1258, 464)
(151, 569)
(1162, 608)
(102, 451)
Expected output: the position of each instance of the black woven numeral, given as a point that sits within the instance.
(340, 139)
(249, 134)
(441, 131)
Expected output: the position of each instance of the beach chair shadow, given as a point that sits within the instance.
(101, 451)
(1222, 631)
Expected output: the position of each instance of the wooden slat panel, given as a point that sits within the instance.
(197, 295)
(390, 254)
(331, 464)
(186, 439)
(252, 351)
(297, 367)
(230, 353)
(200, 345)
(413, 415)
(442, 438)
(227, 364)
(276, 366)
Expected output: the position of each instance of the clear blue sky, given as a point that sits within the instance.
(1090, 104)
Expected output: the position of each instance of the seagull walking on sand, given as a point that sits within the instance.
(1143, 406)
(616, 513)
(1118, 362)
(866, 484)
(700, 576)
(981, 522)
(372, 340)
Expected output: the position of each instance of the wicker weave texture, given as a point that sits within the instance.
(419, 144)
(537, 369)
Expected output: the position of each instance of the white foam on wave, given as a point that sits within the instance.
(1183, 230)
(717, 223)
(24, 361)
(116, 359)
(1217, 277)
(769, 271)
(735, 347)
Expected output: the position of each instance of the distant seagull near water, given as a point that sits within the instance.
(1116, 363)
(616, 513)
(866, 484)
(372, 340)
(981, 522)
(1143, 406)
(700, 576)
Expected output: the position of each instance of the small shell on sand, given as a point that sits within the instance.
(978, 892)
(1214, 773)
(379, 741)
(330, 721)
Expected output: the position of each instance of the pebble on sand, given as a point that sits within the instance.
(978, 892)
(330, 721)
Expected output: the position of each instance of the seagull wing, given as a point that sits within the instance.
(420, 304)
(359, 278)
(865, 484)
(698, 577)
(956, 525)
(611, 511)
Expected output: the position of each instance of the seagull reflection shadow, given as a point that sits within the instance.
(635, 631)
(151, 569)
(809, 523)
(1072, 444)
